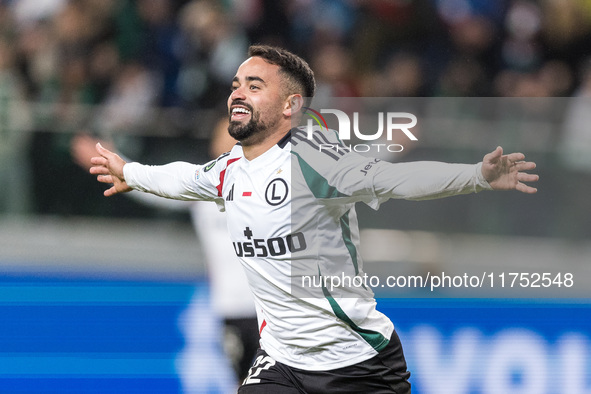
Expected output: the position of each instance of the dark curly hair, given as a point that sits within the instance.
(299, 75)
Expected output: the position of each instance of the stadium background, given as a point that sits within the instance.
(105, 295)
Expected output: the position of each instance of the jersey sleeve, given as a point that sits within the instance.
(327, 164)
(425, 180)
(179, 180)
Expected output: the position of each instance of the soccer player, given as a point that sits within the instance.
(290, 211)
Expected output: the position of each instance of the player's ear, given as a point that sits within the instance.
(293, 105)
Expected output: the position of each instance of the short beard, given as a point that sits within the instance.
(241, 132)
(251, 133)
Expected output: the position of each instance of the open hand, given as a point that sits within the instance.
(109, 168)
(505, 172)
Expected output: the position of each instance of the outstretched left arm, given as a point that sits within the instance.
(506, 172)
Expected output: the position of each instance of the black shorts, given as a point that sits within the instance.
(384, 373)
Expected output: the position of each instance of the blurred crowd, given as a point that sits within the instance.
(104, 65)
(184, 52)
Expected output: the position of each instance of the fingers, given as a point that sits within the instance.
(105, 178)
(497, 154)
(99, 170)
(110, 191)
(102, 151)
(494, 156)
(106, 168)
(515, 157)
(525, 165)
(525, 188)
(524, 177)
(99, 161)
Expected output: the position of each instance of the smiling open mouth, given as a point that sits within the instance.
(240, 113)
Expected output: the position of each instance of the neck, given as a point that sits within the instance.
(254, 150)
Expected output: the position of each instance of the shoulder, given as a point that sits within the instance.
(317, 135)
(223, 160)
(316, 142)
(319, 145)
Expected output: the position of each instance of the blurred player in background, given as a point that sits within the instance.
(231, 298)
(337, 341)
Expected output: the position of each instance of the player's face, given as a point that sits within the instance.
(256, 101)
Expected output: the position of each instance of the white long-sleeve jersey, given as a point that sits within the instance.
(291, 217)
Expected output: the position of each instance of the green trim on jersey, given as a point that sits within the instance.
(317, 184)
(373, 338)
(320, 188)
(346, 231)
(338, 137)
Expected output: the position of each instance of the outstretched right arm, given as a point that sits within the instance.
(179, 180)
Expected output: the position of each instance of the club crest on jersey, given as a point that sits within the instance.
(277, 191)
